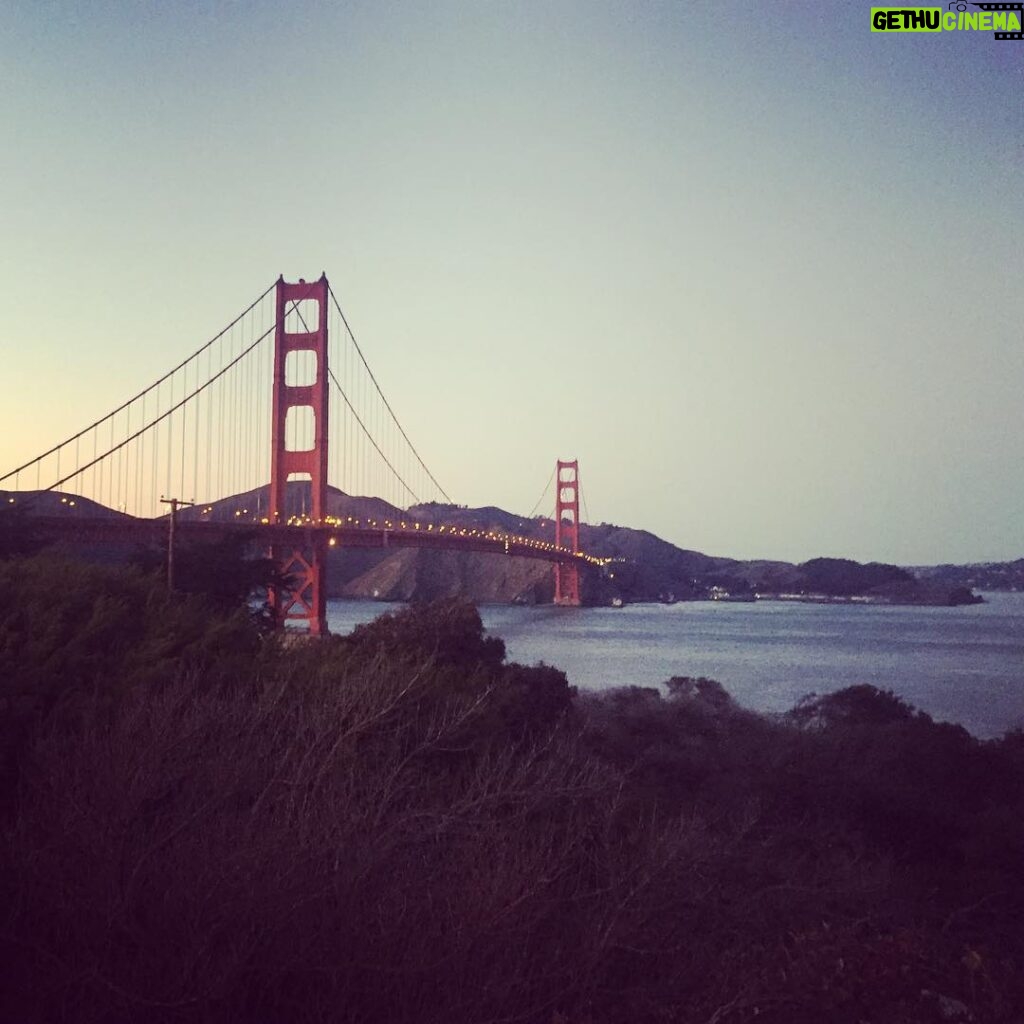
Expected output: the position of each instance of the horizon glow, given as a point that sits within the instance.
(757, 269)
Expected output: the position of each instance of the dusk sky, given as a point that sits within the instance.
(758, 268)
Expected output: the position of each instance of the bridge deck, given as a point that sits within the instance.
(131, 529)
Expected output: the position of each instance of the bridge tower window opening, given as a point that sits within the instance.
(302, 317)
(300, 369)
(300, 429)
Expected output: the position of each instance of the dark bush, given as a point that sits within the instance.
(76, 638)
(18, 536)
(399, 826)
(854, 705)
(449, 632)
(225, 573)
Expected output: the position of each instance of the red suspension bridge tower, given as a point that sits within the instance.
(304, 598)
(567, 531)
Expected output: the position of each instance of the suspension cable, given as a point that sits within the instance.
(387, 461)
(156, 384)
(174, 408)
(542, 493)
(341, 390)
(387, 404)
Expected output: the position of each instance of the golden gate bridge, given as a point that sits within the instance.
(288, 372)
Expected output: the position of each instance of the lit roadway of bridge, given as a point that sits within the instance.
(344, 533)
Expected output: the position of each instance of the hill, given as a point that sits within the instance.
(645, 567)
(642, 567)
(980, 575)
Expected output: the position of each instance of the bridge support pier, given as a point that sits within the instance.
(567, 531)
(303, 599)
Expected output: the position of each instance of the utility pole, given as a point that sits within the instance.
(172, 522)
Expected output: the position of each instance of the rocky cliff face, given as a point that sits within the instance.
(413, 575)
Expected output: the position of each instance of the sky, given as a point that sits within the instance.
(758, 268)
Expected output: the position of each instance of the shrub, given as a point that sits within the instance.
(400, 826)
(314, 852)
(76, 637)
(450, 632)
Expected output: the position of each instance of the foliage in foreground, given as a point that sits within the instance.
(400, 826)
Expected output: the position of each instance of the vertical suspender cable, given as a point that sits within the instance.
(98, 496)
(154, 468)
(236, 415)
(225, 485)
(264, 433)
(195, 442)
(208, 460)
(184, 431)
(249, 402)
(139, 464)
(170, 437)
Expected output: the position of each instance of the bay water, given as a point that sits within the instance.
(963, 665)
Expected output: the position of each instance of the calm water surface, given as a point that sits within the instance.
(963, 665)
